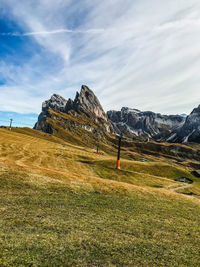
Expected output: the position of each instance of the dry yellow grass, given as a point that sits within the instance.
(45, 160)
(63, 205)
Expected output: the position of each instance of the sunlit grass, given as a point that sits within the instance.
(63, 205)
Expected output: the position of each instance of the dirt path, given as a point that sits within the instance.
(180, 187)
(185, 186)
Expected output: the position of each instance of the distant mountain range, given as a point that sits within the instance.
(144, 124)
(86, 113)
(183, 115)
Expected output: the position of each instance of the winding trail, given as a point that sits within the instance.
(180, 187)
(185, 186)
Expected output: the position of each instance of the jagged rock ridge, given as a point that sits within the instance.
(85, 112)
(56, 102)
(85, 105)
(133, 122)
(189, 131)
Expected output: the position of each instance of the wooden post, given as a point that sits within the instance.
(97, 148)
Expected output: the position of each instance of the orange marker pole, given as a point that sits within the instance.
(118, 154)
(118, 165)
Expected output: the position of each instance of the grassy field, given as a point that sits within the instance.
(63, 205)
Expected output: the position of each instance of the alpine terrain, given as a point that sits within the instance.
(64, 203)
(189, 131)
(85, 114)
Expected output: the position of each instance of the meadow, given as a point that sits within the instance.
(61, 204)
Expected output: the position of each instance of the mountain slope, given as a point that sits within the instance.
(189, 131)
(83, 117)
(133, 122)
(62, 203)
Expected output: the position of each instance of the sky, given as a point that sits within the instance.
(134, 53)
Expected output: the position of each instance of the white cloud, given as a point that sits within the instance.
(89, 31)
(142, 54)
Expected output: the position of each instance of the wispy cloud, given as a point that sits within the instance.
(142, 54)
(89, 31)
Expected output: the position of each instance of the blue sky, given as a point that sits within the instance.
(18, 119)
(136, 53)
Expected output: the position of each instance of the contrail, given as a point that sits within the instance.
(89, 31)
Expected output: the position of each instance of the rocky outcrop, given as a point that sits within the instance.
(189, 131)
(150, 125)
(84, 112)
(56, 102)
(86, 102)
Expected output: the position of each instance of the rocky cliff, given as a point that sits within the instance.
(83, 116)
(86, 102)
(189, 131)
(149, 125)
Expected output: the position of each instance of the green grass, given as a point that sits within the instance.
(194, 189)
(55, 226)
(157, 174)
(159, 169)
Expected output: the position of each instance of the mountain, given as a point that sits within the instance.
(183, 115)
(84, 121)
(145, 124)
(82, 118)
(189, 131)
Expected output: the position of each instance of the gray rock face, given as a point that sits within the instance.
(85, 103)
(147, 124)
(56, 102)
(189, 131)
(132, 122)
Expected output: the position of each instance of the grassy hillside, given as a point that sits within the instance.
(63, 205)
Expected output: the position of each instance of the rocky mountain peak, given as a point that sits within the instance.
(87, 102)
(84, 104)
(126, 110)
(190, 130)
(132, 122)
(56, 102)
(183, 115)
(148, 124)
(196, 110)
